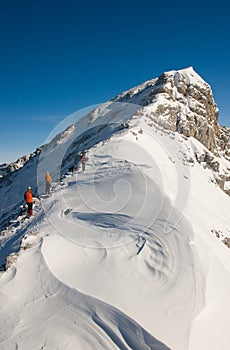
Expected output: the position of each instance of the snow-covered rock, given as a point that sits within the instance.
(181, 101)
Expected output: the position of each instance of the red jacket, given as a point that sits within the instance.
(28, 196)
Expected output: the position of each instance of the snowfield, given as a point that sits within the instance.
(124, 255)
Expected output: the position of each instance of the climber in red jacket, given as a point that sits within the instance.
(28, 196)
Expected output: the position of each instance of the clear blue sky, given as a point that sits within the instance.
(63, 55)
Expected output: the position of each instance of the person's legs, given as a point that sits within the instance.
(48, 186)
(30, 206)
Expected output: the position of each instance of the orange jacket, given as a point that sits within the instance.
(29, 196)
(48, 177)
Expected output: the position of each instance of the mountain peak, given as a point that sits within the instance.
(190, 75)
(180, 100)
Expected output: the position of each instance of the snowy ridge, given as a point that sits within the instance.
(139, 93)
(110, 247)
(128, 254)
(178, 100)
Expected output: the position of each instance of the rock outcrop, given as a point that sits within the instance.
(183, 102)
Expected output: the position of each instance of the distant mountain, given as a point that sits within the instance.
(3, 168)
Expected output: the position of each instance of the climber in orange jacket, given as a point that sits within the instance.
(28, 196)
(48, 179)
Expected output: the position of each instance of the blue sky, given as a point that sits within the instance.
(61, 56)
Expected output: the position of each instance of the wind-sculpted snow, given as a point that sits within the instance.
(48, 314)
(124, 251)
(121, 255)
(111, 232)
(126, 258)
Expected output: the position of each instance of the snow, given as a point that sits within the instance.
(49, 315)
(123, 255)
(227, 185)
(189, 75)
(141, 93)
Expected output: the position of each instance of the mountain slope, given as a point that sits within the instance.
(129, 253)
(180, 101)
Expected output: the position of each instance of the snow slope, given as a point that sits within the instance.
(115, 246)
(47, 314)
(126, 255)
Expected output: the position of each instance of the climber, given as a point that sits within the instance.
(83, 159)
(28, 196)
(48, 179)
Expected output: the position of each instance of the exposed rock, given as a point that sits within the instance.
(186, 103)
(226, 241)
(10, 260)
(183, 102)
(224, 141)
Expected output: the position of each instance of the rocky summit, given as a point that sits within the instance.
(183, 102)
